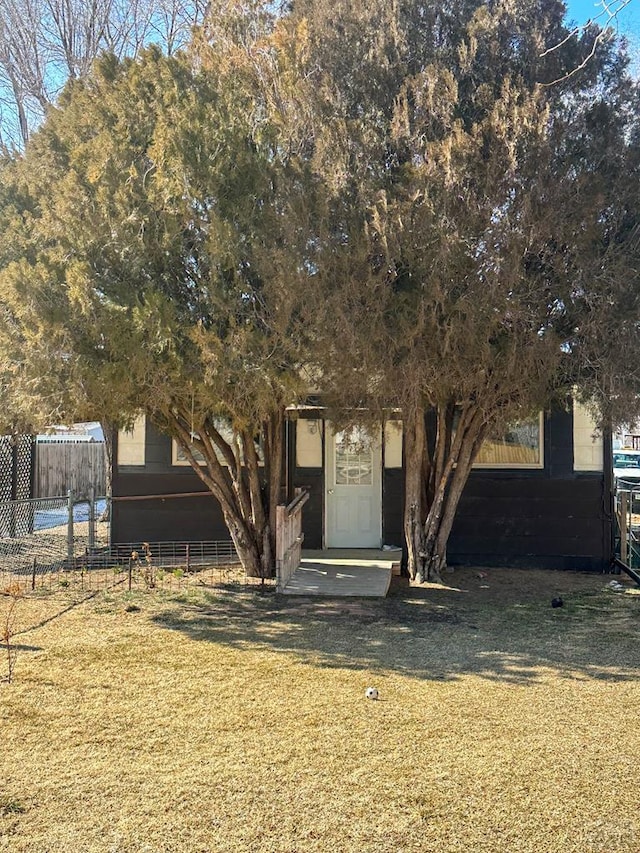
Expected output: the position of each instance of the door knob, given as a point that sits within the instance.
(330, 491)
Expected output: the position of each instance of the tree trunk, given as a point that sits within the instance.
(274, 469)
(250, 547)
(428, 522)
(107, 431)
(238, 484)
(415, 489)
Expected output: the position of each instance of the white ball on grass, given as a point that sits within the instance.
(371, 693)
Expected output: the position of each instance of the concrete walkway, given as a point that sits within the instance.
(344, 572)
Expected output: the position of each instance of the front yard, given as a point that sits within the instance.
(209, 721)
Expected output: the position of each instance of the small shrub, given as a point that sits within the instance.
(10, 806)
(143, 562)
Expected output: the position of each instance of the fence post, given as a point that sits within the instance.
(33, 574)
(92, 520)
(70, 540)
(281, 521)
(15, 449)
(624, 526)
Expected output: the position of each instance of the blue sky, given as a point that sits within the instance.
(628, 20)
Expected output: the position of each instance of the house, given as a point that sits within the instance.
(539, 497)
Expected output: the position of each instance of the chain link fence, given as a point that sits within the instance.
(44, 536)
(63, 542)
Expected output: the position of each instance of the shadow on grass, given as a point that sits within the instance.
(439, 633)
(19, 647)
(61, 612)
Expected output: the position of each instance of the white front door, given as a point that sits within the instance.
(353, 489)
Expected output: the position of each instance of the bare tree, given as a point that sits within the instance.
(600, 28)
(43, 43)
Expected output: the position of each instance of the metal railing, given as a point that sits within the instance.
(628, 523)
(187, 555)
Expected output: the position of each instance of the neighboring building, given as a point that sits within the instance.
(90, 431)
(540, 497)
(627, 438)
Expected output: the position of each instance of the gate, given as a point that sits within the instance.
(628, 529)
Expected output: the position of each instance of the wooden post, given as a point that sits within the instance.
(281, 523)
(130, 571)
(624, 527)
(289, 538)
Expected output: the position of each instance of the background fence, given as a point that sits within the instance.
(628, 525)
(46, 535)
(16, 469)
(64, 466)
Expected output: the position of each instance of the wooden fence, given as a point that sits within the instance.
(69, 466)
(289, 538)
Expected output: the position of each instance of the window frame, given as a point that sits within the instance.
(519, 466)
(222, 426)
(182, 463)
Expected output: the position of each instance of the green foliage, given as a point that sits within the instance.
(394, 201)
(467, 265)
(142, 262)
(10, 805)
(466, 208)
(146, 272)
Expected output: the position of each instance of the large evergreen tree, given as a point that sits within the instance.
(476, 259)
(150, 210)
(387, 197)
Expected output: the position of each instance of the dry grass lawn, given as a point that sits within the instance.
(217, 721)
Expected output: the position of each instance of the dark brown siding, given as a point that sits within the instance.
(170, 519)
(548, 518)
(531, 522)
(160, 519)
(392, 506)
(311, 479)
(312, 514)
